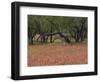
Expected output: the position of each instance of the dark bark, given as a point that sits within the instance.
(44, 37)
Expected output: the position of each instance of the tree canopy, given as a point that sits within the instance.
(72, 29)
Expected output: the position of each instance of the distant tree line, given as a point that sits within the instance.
(71, 29)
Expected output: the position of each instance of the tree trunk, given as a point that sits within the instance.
(51, 35)
(30, 41)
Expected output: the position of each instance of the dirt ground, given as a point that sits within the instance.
(57, 54)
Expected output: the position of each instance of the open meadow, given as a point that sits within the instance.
(57, 54)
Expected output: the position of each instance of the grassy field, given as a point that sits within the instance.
(57, 54)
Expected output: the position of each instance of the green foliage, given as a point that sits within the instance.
(74, 28)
